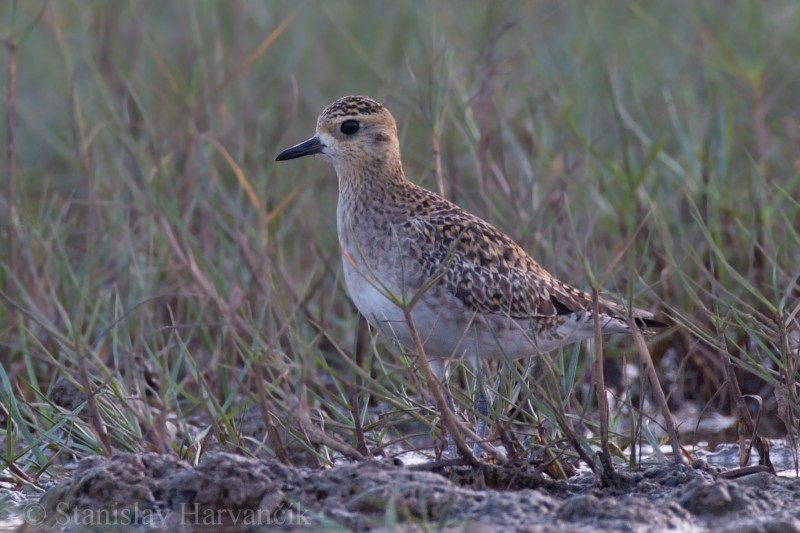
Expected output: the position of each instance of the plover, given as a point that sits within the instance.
(476, 294)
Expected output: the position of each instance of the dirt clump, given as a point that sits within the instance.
(160, 492)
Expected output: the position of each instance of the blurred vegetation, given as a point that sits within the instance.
(153, 253)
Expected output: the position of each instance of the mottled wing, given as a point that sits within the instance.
(487, 270)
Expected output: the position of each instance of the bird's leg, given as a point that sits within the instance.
(481, 408)
(438, 369)
(449, 441)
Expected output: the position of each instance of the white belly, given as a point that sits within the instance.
(381, 303)
(373, 301)
(446, 329)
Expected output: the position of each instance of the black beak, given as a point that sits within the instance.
(309, 147)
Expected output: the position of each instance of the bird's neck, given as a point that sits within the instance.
(371, 184)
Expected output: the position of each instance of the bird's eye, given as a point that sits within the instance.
(349, 127)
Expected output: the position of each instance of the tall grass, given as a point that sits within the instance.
(156, 260)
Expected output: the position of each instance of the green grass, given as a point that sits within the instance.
(154, 252)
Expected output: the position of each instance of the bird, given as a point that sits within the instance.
(475, 294)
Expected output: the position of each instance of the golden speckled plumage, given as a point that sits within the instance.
(485, 297)
(351, 106)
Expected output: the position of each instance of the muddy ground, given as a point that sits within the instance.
(230, 492)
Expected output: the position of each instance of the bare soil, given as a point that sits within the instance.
(228, 492)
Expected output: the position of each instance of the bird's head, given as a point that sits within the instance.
(353, 132)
